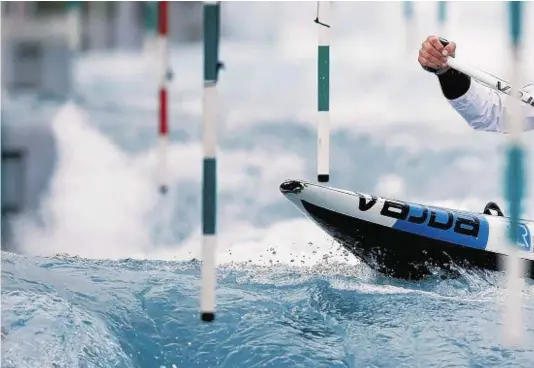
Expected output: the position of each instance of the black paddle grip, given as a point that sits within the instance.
(444, 42)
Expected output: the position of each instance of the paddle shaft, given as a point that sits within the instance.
(491, 81)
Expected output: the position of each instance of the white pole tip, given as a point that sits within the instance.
(207, 316)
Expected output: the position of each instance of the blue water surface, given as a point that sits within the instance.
(72, 312)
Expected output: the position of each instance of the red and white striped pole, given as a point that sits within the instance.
(163, 131)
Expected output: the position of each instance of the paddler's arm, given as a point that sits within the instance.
(480, 106)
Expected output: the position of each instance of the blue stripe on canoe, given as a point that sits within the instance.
(449, 235)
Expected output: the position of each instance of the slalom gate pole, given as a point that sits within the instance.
(74, 24)
(323, 91)
(514, 175)
(515, 188)
(209, 171)
(442, 17)
(408, 11)
(163, 128)
(150, 21)
(491, 81)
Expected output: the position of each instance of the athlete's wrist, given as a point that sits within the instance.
(454, 84)
(442, 70)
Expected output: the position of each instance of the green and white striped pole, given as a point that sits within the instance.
(323, 92)
(442, 17)
(408, 10)
(410, 24)
(209, 172)
(150, 21)
(74, 29)
(74, 14)
(515, 186)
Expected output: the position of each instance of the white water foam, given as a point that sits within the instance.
(100, 200)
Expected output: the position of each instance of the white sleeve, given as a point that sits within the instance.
(484, 108)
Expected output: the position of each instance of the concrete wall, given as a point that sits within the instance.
(29, 157)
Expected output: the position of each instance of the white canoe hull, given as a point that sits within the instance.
(404, 239)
